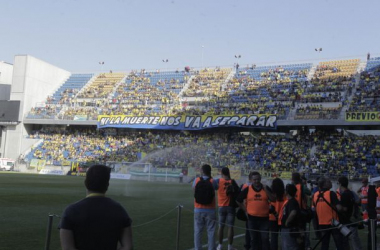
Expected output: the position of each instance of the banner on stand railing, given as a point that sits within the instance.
(188, 122)
(363, 116)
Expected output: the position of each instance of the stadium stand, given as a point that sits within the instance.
(325, 95)
(317, 153)
(277, 89)
(64, 96)
(208, 83)
(367, 93)
(103, 85)
(147, 93)
(342, 68)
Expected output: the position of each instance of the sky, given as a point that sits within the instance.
(133, 34)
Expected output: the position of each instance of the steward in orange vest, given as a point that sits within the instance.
(363, 194)
(226, 209)
(258, 198)
(325, 203)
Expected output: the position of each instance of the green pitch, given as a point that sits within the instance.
(27, 200)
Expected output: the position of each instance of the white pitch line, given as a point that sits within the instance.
(224, 240)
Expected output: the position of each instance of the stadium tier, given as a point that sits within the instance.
(135, 111)
(317, 153)
(292, 92)
(62, 97)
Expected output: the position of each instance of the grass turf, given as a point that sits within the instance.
(26, 200)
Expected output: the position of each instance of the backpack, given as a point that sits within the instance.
(356, 209)
(305, 212)
(233, 191)
(204, 192)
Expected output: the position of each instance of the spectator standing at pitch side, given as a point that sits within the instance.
(257, 209)
(96, 222)
(226, 212)
(303, 192)
(204, 214)
(247, 244)
(289, 219)
(326, 203)
(346, 209)
(278, 189)
(363, 194)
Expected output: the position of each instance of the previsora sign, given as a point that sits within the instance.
(185, 122)
(363, 116)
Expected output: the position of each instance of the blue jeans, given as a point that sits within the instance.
(353, 239)
(289, 242)
(202, 220)
(259, 240)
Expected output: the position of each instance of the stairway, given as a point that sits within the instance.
(228, 79)
(312, 72)
(186, 86)
(361, 67)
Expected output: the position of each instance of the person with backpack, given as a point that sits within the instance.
(204, 208)
(346, 210)
(258, 197)
(228, 191)
(326, 204)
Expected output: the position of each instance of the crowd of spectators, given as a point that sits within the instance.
(342, 155)
(208, 83)
(367, 96)
(102, 86)
(316, 112)
(317, 152)
(252, 90)
(342, 68)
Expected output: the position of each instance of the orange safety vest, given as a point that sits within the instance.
(324, 212)
(378, 193)
(364, 192)
(223, 199)
(277, 206)
(197, 205)
(338, 194)
(377, 204)
(298, 196)
(281, 214)
(245, 185)
(257, 203)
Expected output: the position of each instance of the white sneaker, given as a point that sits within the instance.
(219, 247)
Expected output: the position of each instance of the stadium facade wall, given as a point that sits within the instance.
(33, 81)
(6, 73)
(5, 92)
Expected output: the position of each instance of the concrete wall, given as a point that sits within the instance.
(6, 73)
(33, 81)
(5, 92)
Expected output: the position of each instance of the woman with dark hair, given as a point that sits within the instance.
(278, 188)
(226, 210)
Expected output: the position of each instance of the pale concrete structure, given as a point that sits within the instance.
(33, 80)
(6, 73)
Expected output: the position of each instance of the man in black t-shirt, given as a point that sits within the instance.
(289, 215)
(96, 222)
(346, 208)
